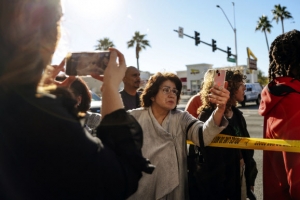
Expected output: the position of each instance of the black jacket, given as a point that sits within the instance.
(45, 153)
(223, 164)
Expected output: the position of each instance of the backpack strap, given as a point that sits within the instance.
(202, 148)
(189, 126)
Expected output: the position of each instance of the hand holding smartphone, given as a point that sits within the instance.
(219, 78)
(86, 63)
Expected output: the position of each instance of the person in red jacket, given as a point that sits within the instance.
(281, 110)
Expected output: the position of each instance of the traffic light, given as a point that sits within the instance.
(214, 45)
(228, 52)
(197, 38)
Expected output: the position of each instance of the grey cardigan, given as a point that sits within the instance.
(165, 146)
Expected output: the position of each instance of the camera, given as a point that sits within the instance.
(86, 63)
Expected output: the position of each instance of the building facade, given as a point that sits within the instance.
(193, 76)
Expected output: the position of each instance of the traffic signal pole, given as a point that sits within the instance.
(197, 39)
(185, 34)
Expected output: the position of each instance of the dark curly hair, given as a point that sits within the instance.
(152, 87)
(234, 78)
(284, 56)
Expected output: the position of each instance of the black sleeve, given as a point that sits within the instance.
(122, 133)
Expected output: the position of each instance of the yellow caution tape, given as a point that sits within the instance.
(227, 141)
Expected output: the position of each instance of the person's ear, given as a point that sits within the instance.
(152, 98)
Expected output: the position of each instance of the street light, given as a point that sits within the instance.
(234, 30)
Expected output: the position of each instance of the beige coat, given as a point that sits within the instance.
(165, 146)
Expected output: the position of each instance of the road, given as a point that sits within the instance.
(255, 129)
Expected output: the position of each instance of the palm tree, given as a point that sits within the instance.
(264, 25)
(139, 42)
(279, 13)
(104, 44)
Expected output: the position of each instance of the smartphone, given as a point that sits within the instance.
(219, 77)
(86, 63)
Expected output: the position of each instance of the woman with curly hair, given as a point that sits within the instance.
(230, 172)
(166, 130)
(280, 108)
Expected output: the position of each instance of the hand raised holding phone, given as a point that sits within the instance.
(219, 93)
(113, 76)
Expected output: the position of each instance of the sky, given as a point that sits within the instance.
(85, 22)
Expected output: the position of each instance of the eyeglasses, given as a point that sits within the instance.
(167, 90)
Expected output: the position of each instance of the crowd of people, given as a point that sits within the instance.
(51, 146)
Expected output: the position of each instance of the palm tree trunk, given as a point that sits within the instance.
(137, 49)
(266, 40)
(282, 26)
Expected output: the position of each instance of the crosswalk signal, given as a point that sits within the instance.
(228, 52)
(214, 45)
(197, 38)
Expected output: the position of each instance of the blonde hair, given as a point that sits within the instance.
(208, 83)
(29, 31)
(233, 77)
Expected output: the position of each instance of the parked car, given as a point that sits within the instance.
(96, 103)
(252, 93)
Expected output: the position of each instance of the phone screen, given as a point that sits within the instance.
(219, 78)
(86, 63)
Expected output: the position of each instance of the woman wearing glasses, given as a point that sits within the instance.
(166, 130)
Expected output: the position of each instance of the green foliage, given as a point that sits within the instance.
(264, 25)
(139, 42)
(280, 13)
(261, 78)
(104, 44)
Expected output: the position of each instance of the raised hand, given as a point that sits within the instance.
(52, 71)
(113, 76)
(219, 96)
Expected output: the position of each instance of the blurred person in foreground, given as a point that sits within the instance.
(44, 151)
(230, 173)
(281, 110)
(166, 130)
(130, 95)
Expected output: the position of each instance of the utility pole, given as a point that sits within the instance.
(234, 30)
